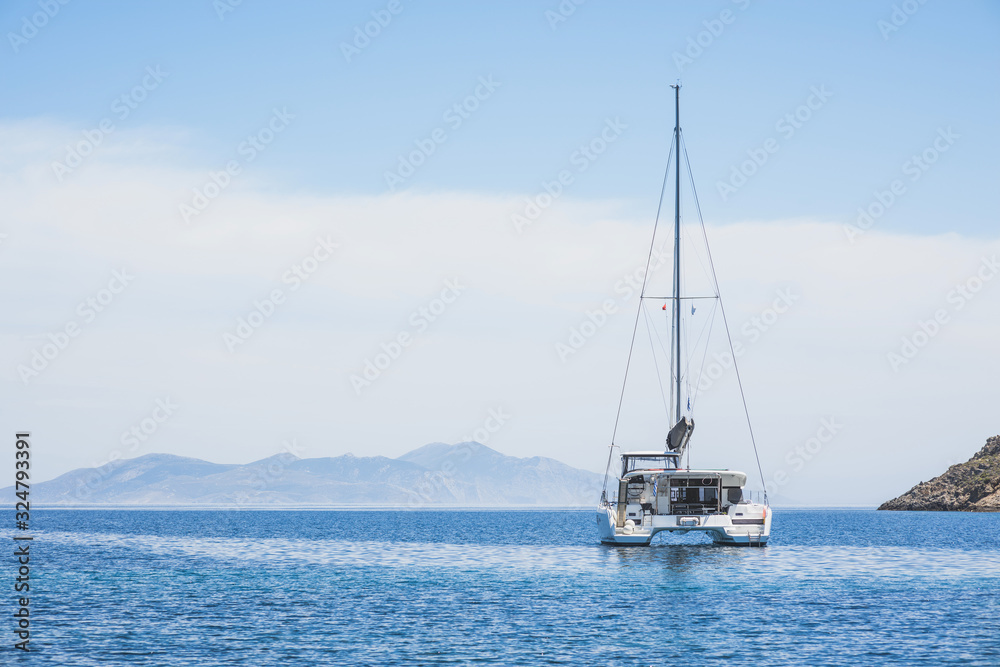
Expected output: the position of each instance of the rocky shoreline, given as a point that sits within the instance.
(973, 486)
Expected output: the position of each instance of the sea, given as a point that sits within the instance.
(525, 587)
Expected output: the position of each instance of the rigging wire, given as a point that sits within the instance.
(705, 329)
(666, 355)
(704, 356)
(638, 311)
(656, 363)
(694, 249)
(722, 308)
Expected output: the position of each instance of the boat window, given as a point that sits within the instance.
(649, 463)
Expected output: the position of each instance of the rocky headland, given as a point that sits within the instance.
(973, 486)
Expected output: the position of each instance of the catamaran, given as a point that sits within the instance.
(654, 490)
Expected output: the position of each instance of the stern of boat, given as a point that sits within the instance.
(627, 535)
(748, 525)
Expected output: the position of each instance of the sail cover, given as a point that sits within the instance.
(679, 435)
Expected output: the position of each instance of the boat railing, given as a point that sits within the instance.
(748, 496)
(693, 508)
(754, 497)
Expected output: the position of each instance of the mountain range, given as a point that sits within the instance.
(467, 474)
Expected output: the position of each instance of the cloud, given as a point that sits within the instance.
(494, 346)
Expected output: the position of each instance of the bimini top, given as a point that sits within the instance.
(650, 454)
(649, 461)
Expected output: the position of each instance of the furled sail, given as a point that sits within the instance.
(679, 435)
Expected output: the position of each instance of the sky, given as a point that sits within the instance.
(363, 227)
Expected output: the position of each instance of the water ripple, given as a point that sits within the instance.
(513, 588)
(789, 562)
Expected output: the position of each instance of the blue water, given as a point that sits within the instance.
(834, 587)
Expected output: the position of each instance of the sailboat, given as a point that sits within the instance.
(653, 490)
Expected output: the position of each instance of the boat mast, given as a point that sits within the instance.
(677, 248)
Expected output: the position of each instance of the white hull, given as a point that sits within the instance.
(720, 527)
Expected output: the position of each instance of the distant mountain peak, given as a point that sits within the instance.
(439, 454)
(467, 474)
(161, 457)
(443, 447)
(281, 456)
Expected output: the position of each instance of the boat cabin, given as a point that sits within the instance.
(654, 483)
